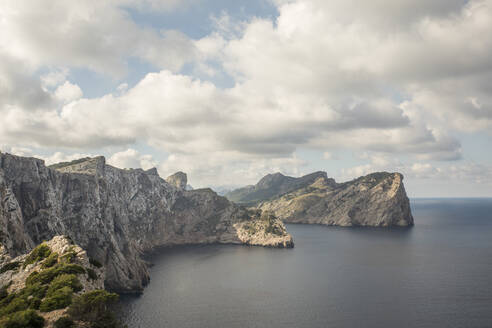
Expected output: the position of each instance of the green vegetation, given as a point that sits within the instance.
(54, 287)
(95, 262)
(39, 253)
(58, 299)
(65, 280)
(23, 319)
(10, 266)
(3, 292)
(93, 307)
(64, 322)
(92, 274)
(27, 298)
(271, 226)
(69, 257)
(50, 260)
(47, 275)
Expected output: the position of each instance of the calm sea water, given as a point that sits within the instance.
(436, 274)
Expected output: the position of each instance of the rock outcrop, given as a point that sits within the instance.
(31, 280)
(116, 215)
(378, 200)
(179, 180)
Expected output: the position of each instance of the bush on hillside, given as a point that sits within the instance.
(24, 319)
(50, 260)
(59, 299)
(93, 307)
(39, 253)
(64, 322)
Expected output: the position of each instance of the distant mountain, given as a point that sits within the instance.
(272, 186)
(378, 199)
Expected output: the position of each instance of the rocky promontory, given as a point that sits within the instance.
(54, 285)
(378, 199)
(117, 215)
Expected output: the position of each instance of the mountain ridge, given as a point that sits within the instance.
(377, 199)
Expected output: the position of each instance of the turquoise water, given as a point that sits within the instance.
(436, 274)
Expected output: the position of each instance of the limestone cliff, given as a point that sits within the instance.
(178, 179)
(378, 199)
(115, 215)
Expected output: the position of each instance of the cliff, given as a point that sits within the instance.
(378, 200)
(115, 215)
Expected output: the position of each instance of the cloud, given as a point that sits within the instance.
(98, 35)
(68, 92)
(395, 79)
(131, 158)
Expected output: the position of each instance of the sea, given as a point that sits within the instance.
(437, 273)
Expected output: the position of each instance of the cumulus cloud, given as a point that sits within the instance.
(131, 158)
(99, 35)
(393, 79)
(68, 92)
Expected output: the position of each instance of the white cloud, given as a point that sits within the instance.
(54, 78)
(68, 92)
(98, 35)
(390, 79)
(131, 158)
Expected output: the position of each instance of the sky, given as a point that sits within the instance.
(228, 91)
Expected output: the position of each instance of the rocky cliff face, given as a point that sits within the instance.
(378, 199)
(178, 179)
(115, 215)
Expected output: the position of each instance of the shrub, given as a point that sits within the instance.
(64, 322)
(39, 253)
(15, 304)
(24, 319)
(35, 290)
(6, 301)
(92, 274)
(46, 276)
(3, 292)
(69, 257)
(50, 260)
(59, 299)
(64, 280)
(95, 263)
(34, 303)
(92, 306)
(10, 266)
